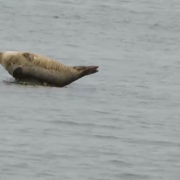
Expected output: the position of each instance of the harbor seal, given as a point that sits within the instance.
(28, 67)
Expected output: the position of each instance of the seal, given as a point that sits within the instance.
(30, 67)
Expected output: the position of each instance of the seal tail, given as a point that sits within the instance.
(86, 70)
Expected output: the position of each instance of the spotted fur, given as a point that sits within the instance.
(25, 65)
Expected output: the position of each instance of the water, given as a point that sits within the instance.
(121, 123)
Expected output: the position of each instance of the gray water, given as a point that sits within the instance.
(121, 123)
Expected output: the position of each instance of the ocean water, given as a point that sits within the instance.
(120, 123)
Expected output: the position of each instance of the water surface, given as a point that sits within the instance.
(121, 123)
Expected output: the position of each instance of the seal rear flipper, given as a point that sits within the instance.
(86, 70)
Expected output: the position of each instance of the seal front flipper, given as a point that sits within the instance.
(21, 73)
(25, 73)
(17, 73)
(37, 75)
